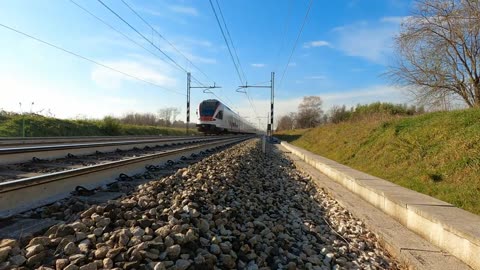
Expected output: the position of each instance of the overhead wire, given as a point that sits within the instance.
(236, 57)
(172, 61)
(296, 42)
(87, 59)
(114, 29)
(123, 34)
(284, 35)
(235, 60)
(231, 40)
(226, 42)
(166, 40)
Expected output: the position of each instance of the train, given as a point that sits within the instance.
(214, 117)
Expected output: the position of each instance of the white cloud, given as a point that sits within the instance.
(63, 101)
(292, 64)
(371, 41)
(316, 43)
(197, 42)
(187, 10)
(149, 69)
(316, 77)
(394, 19)
(258, 65)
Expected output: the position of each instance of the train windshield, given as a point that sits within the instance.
(207, 108)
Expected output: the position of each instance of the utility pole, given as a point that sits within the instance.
(189, 87)
(272, 99)
(23, 120)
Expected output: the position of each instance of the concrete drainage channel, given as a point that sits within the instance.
(24, 194)
(445, 228)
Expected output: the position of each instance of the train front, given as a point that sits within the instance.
(206, 111)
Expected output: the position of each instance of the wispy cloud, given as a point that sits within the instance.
(292, 64)
(394, 19)
(146, 68)
(372, 41)
(258, 65)
(316, 77)
(316, 43)
(187, 10)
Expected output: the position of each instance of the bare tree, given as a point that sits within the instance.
(146, 119)
(438, 52)
(309, 112)
(175, 113)
(339, 114)
(286, 122)
(168, 115)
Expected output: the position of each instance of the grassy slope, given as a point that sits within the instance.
(39, 126)
(437, 153)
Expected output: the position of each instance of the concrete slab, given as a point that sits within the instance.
(458, 221)
(400, 195)
(17, 228)
(410, 248)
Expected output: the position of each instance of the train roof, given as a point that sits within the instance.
(216, 100)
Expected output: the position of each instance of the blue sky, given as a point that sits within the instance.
(341, 54)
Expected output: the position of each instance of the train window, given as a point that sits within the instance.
(219, 115)
(207, 108)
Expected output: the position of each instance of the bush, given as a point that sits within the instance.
(110, 126)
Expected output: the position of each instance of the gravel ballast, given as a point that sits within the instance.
(237, 209)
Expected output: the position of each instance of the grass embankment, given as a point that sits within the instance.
(40, 126)
(436, 153)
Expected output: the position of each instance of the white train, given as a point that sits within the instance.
(215, 117)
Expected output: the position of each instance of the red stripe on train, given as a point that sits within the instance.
(206, 118)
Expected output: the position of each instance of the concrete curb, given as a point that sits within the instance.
(452, 229)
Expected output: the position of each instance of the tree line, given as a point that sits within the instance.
(165, 117)
(310, 113)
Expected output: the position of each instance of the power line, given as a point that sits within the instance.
(231, 40)
(86, 59)
(285, 30)
(226, 42)
(115, 29)
(251, 104)
(149, 41)
(160, 35)
(237, 64)
(296, 42)
(121, 33)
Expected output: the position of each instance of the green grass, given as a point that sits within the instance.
(436, 153)
(40, 126)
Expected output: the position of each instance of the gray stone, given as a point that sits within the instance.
(182, 264)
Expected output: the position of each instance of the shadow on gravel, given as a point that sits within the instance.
(287, 138)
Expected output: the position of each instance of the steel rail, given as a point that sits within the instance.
(25, 149)
(23, 194)
(12, 155)
(9, 141)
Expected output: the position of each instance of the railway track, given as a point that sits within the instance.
(15, 141)
(42, 149)
(24, 193)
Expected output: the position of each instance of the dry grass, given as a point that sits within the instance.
(437, 153)
(40, 126)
